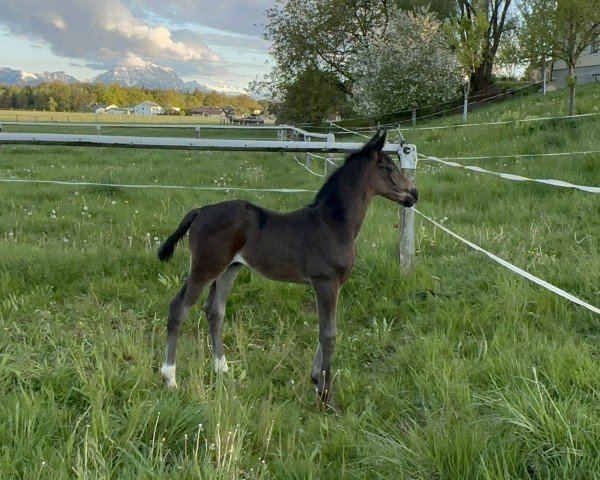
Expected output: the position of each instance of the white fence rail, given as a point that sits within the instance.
(283, 131)
(181, 143)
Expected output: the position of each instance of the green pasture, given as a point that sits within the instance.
(459, 370)
(88, 117)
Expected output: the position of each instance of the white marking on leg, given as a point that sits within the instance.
(168, 373)
(221, 365)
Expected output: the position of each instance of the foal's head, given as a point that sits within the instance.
(386, 179)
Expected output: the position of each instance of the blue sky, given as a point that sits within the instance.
(217, 42)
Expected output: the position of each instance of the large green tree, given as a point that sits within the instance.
(325, 36)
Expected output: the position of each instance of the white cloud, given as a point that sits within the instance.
(98, 31)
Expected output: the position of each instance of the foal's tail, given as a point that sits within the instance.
(165, 252)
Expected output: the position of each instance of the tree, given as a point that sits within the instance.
(52, 104)
(411, 66)
(312, 97)
(467, 34)
(577, 26)
(498, 22)
(537, 35)
(325, 36)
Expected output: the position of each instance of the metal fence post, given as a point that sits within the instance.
(408, 167)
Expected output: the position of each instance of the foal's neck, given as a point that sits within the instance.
(344, 202)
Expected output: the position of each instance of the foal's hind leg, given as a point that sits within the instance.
(214, 307)
(327, 296)
(178, 311)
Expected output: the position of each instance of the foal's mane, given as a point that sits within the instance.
(329, 191)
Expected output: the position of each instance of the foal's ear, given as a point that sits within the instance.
(377, 143)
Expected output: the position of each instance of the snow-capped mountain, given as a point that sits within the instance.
(141, 74)
(227, 90)
(8, 76)
(132, 73)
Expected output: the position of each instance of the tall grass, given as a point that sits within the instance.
(459, 370)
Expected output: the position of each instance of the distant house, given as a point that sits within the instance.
(587, 69)
(102, 108)
(119, 111)
(172, 111)
(148, 108)
(207, 112)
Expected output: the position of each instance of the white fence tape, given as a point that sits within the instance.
(515, 269)
(516, 178)
(177, 187)
(307, 169)
(525, 155)
(523, 120)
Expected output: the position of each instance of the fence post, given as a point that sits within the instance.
(197, 132)
(99, 129)
(408, 167)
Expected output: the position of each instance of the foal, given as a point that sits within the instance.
(314, 245)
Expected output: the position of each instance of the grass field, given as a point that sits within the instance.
(88, 117)
(460, 370)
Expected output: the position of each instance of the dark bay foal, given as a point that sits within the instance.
(314, 245)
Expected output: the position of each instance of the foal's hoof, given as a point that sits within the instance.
(168, 374)
(328, 402)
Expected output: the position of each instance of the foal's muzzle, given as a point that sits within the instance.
(411, 198)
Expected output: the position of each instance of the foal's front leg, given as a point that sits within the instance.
(327, 295)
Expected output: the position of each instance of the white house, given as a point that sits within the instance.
(148, 108)
(587, 69)
(120, 111)
(101, 108)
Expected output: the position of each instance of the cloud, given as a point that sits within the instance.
(101, 32)
(235, 16)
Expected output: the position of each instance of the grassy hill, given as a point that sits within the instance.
(460, 370)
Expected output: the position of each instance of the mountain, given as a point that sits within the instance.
(142, 74)
(8, 76)
(138, 73)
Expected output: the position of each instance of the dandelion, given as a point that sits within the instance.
(85, 208)
(136, 212)
(11, 234)
(113, 202)
(65, 239)
(76, 193)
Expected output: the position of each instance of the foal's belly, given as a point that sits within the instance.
(272, 267)
(296, 264)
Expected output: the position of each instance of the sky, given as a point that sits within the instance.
(215, 42)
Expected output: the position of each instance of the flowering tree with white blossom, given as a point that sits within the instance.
(408, 67)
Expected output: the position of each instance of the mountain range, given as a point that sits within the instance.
(142, 74)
